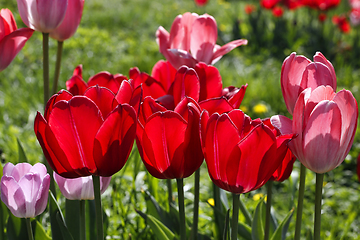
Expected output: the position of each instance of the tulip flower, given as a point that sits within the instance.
(42, 15)
(299, 73)
(86, 135)
(25, 189)
(71, 21)
(168, 141)
(201, 2)
(192, 39)
(325, 124)
(241, 154)
(79, 188)
(12, 39)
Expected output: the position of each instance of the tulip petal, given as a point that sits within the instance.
(216, 105)
(186, 83)
(29, 185)
(114, 140)
(210, 81)
(181, 29)
(165, 73)
(107, 80)
(322, 137)
(319, 57)
(203, 38)
(76, 85)
(316, 74)
(227, 48)
(103, 98)
(9, 187)
(42, 197)
(62, 95)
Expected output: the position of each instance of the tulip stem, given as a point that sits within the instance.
(218, 210)
(300, 202)
(46, 67)
(194, 229)
(245, 212)
(57, 66)
(82, 220)
(235, 216)
(98, 209)
(318, 197)
(29, 229)
(180, 187)
(268, 209)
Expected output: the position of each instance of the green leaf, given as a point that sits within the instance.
(56, 225)
(280, 232)
(39, 231)
(244, 231)
(72, 217)
(64, 230)
(22, 156)
(4, 214)
(258, 224)
(91, 219)
(226, 228)
(159, 229)
(16, 228)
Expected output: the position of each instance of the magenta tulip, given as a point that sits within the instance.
(42, 15)
(71, 21)
(192, 39)
(80, 188)
(25, 189)
(325, 124)
(12, 39)
(241, 154)
(86, 135)
(299, 73)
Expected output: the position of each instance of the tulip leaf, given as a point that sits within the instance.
(244, 231)
(22, 156)
(160, 230)
(280, 232)
(39, 231)
(16, 228)
(226, 228)
(258, 223)
(64, 230)
(57, 219)
(4, 214)
(72, 217)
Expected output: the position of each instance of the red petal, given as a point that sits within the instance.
(103, 98)
(210, 81)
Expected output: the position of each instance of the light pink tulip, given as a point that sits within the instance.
(325, 124)
(80, 188)
(192, 39)
(25, 189)
(12, 39)
(71, 21)
(42, 15)
(299, 73)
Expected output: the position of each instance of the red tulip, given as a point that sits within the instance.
(71, 21)
(277, 11)
(192, 39)
(325, 124)
(249, 8)
(321, 4)
(168, 141)
(355, 16)
(12, 39)
(241, 154)
(269, 4)
(86, 135)
(342, 23)
(42, 15)
(299, 73)
(201, 2)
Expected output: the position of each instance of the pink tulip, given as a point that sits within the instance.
(192, 39)
(71, 21)
(25, 189)
(325, 124)
(12, 39)
(42, 15)
(299, 73)
(80, 188)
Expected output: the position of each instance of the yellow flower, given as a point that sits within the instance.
(211, 201)
(260, 108)
(257, 196)
(244, 108)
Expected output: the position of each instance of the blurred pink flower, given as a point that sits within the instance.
(192, 39)
(12, 39)
(71, 21)
(80, 188)
(25, 189)
(42, 15)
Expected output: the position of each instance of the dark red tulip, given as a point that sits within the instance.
(168, 141)
(241, 154)
(86, 135)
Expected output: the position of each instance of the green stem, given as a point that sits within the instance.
(218, 209)
(235, 216)
(300, 202)
(194, 229)
(46, 67)
(268, 210)
(29, 229)
(82, 220)
(245, 212)
(98, 209)
(318, 197)
(180, 187)
(57, 66)
(170, 194)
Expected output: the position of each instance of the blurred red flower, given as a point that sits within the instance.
(278, 11)
(342, 23)
(249, 8)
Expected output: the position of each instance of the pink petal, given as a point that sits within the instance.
(316, 74)
(282, 123)
(8, 189)
(203, 38)
(7, 22)
(319, 57)
(30, 185)
(227, 48)
(42, 197)
(180, 33)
